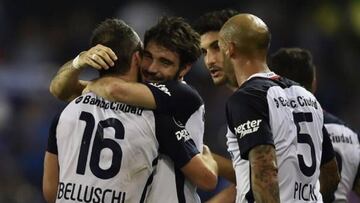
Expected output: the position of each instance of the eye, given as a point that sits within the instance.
(215, 46)
(204, 51)
(147, 55)
(166, 62)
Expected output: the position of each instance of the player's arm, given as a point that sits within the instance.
(356, 187)
(202, 170)
(50, 177)
(247, 110)
(66, 84)
(170, 97)
(227, 195)
(51, 165)
(226, 168)
(116, 89)
(264, 179)
(175, 141)
(329, 173)
(329, 179)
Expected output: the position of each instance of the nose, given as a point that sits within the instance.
(151, 68)
(210, 59)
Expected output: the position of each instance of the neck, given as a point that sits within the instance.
(231, 87)
(128, 77)
(244, 68)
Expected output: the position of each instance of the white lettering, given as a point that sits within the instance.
(182, 134)
(304, 192)
(247, 128)
(161, 87)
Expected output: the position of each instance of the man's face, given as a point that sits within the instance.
(212, 57)
(227, 65)
(159, 63)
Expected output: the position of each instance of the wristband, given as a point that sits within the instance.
(75, 62)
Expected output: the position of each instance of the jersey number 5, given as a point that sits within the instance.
(305, 139)
(99, 144)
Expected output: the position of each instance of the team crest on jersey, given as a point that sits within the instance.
(178, 123)
(247, 127)
(161, 87)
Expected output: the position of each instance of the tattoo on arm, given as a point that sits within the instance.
(264, 174)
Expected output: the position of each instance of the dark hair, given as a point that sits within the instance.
(295, 64)
(119, 37)
(178, 36)
(213, 21)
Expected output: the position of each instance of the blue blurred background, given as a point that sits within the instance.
(36, 37)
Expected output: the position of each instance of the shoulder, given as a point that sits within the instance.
(176, 89)
(330, 118)
(176, 98)
(255, 88)
(335, 124)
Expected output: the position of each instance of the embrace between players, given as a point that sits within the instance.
(135, 134)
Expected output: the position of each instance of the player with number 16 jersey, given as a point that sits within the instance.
(270, 110)
(107, 151)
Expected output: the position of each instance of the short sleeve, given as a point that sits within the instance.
(175, 98)
(248, 118)
(174, 140)
(52, 146)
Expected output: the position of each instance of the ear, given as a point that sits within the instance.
(230, 52)
(137, 58)
(135, 61)
(184, 71)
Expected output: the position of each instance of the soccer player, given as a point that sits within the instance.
(208, 26)
(275, 133)
(107, 151)
(171, 47)
(297, 64)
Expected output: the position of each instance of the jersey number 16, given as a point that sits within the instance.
(99, 144)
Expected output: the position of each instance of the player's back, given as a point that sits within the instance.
(347, 149)
(106, 151)
(297, 124)
(292, 120)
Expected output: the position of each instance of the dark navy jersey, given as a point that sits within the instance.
(347, 149)
(181, 101)
(270, 110)
(111, 149)
(176, 98)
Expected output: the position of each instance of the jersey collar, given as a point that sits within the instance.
(270, 75)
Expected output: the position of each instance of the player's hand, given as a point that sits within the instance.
(87, 88)
(206, 150)
(98, 57)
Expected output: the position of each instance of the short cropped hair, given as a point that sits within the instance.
(213, 21)
(175, 34)
(121, 38)
(295, 64)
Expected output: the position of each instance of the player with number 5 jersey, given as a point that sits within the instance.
(269, 110)
(297, 64)
(275, 126)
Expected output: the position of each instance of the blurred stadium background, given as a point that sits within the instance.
(36, 37)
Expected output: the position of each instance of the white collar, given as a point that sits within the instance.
(263, 75)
